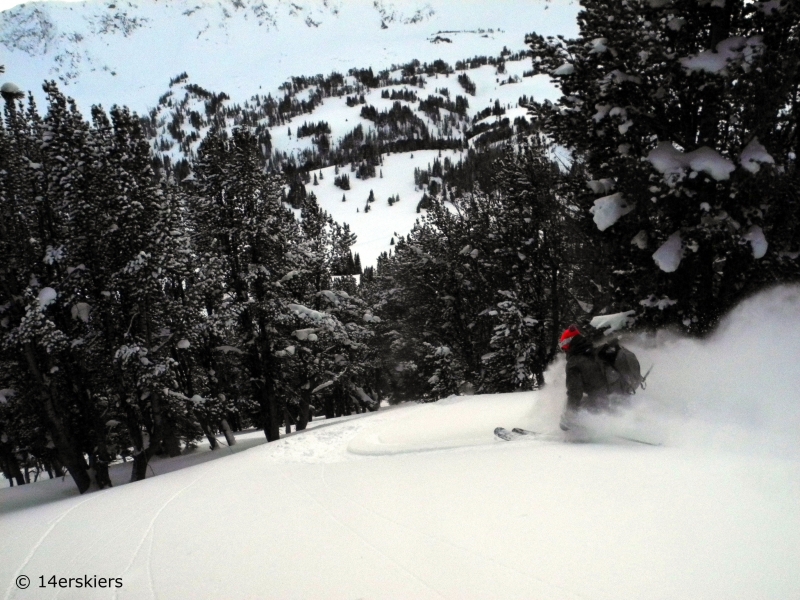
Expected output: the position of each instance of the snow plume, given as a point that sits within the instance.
(615, 322)
(737, 389)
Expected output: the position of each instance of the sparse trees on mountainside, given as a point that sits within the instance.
(468, 85)
(342, 181)
(686, 115)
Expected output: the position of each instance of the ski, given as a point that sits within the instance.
(520, 431)
(638, 441)
(515, 434)
(505, 434)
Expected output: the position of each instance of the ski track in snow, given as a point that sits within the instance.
(150, 533)
(11, 587)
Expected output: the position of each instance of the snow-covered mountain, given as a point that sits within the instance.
(184, 115)
(239, 53)
(243, 52)
(420, 501)
(126, 52)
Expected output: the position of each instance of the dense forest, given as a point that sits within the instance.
(143, 308)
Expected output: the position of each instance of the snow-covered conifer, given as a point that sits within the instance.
(680, 110)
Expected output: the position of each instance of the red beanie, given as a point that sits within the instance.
(568, 334)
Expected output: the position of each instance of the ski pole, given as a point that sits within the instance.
(644, 379)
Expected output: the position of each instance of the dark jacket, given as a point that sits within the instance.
(586, 377)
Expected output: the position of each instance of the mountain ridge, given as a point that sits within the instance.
(125, 52)
(253, 62)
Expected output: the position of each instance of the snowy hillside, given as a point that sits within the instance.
(420, 501)
(186, 113)
(236, 54)
(126, 52)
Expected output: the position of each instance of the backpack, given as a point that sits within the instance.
(620, 366)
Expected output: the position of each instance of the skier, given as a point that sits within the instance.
(597, 378)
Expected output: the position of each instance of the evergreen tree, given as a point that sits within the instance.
(297, 192)
(685, 114)
(476, 295)
(91, 288)
(328, 356)
(242, 220)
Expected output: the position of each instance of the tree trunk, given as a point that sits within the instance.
(235, 419)
(305, 408)
(264, 391)
(171, 443)
(69, 454)
(287, 420)
(10, 465)
(329, 409)
(139, 471)
(274, 419)
(268, 413)
(140, 457)
(212, 439)
(58, 468)
(101, 457)
(99, 467)
(230, 439)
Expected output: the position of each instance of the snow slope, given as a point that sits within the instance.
(125, 52)
(374, 230)
(420, 501)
